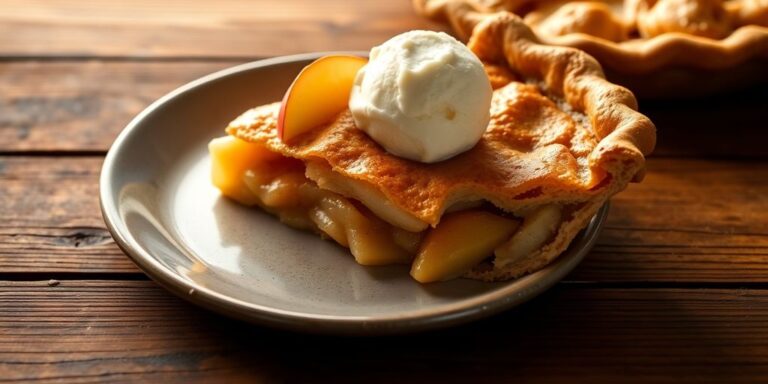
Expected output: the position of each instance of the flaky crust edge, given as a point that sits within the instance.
(626, 136)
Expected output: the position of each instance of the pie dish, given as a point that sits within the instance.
(655, 47)
(561, 141)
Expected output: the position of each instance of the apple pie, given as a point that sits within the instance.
(561, 140)
(654, 47)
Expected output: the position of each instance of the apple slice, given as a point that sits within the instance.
(538, 227)
(318, 94)
(230, 159)
(459, 242)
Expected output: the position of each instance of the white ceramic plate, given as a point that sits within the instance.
(158, 202)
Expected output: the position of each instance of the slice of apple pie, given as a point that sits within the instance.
(559, 141)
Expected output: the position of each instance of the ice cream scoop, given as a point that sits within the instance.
(423, 96)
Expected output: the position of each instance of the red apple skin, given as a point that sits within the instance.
(320, 95)
(281, 114)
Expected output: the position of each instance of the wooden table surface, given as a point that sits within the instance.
(676, 289)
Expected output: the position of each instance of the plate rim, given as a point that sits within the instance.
(449, 314)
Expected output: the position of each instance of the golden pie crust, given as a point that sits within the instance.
(648, 44)
(560, 133)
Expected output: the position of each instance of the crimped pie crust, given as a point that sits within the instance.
(626, 136)
(633, 56)
(565, 136)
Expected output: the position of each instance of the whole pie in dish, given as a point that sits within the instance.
(655, 47)
(561, 140)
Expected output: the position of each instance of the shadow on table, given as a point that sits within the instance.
(571, 333)
(729, 125)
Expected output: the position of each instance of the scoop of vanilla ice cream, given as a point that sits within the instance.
(423, 96)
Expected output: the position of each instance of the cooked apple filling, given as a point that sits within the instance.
(359, 217)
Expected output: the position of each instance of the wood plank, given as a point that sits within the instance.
(55, 192)
(227, 28)
(689, 221)
(87, 331)
(82, 106)
(50, 219)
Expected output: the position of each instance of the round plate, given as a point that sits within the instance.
(159, 204)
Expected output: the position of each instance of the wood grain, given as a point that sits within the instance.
(88, 331)
(689, 221)
(640, 308)
(50, 220)
(228, 28)
(82, 106)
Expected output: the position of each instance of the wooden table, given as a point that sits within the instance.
(675, 290)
